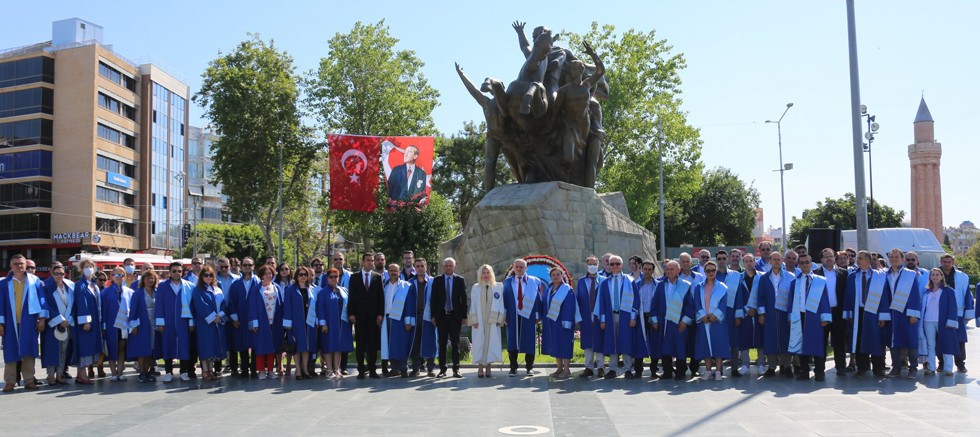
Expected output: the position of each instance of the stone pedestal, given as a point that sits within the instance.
(565, 221)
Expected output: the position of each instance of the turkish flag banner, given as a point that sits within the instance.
(354, 164)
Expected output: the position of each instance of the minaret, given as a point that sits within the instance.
(925, 156)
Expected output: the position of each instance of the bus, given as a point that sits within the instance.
(110, 260)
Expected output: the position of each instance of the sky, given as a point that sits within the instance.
(745, 61)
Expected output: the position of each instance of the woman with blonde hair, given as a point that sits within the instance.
(485, 317)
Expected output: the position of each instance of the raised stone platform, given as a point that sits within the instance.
(561, 220)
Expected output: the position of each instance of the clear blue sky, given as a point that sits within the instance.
(746, 60)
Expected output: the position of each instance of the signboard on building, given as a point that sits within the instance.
(118, 180)
(70, 237)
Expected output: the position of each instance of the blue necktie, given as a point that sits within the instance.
(615, 291)
(449, 293)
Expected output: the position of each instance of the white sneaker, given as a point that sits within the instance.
(706, 376)
(718, 375)
(743, 370)
(262, 375)
(168, 377)
(762, 369)
(184, 377)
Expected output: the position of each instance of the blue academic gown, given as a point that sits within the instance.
(401, 315)
(173, 312)
(430, 336)
(876, 308)
(751, 333)
(207, 306)
(711, 339)
(87, 311)
(50, 346)
(905, 303)
(810, 308)
(589, 326)
(239, 298)
(331, 311)
(20, 337)
(735, 308)
(560, 311)
(225, 282)
(774, 305)
(965, 304)
(523, 337)
(668, 315)
(146, 342)
(300, 322)
(946, 341)
(112, 299)
(269, 338)
(627, 341)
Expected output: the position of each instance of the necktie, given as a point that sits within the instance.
(367, 280)
(449, 293)
(520, 294)
(409, 178)
(808, 285)
(615, 292)
(592, 293)
(864, 287)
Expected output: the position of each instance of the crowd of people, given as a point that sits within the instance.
(697, 317)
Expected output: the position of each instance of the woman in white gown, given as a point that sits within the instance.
(486, 316)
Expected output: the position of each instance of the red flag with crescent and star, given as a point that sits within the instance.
(354, 165)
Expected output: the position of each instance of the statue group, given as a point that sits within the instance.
(548, 122)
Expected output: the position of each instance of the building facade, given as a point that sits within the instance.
(206, 199)
(76, 172)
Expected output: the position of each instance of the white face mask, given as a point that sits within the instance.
(593, 269)
(129, 269)
(88, 272)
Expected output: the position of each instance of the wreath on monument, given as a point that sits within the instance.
(539, 266)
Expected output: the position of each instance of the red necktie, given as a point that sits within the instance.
(409, 176)
(520, 294)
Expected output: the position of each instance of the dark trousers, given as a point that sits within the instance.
(819, 364)
(449, 327)
(417, 361)
(674, 366)
(186, 366)
(528, 360)
(638, 361)
(367, 334)
(959, 360)
(873, 360)
(837, 331)
(343, 361)
(243, 360)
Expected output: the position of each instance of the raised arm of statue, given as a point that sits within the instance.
(600, 69)
(521, 38)
(482, 99)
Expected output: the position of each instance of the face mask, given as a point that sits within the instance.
(593, 269)
(129, 269)
(88, 272)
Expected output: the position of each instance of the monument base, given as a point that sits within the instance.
(565, 221)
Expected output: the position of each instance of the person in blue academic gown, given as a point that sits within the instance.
(424, 345)
(710, 310)
(522, 301)
(23, 315)
(87, 336)
(265, 321)
(809, 316)
(397, 332)
(735, 310)
(145, 344)
(905, 291)
(208, 306)
(336, 336)
(59, 294)
(939, 323)
(115, 320)
(646, 287)
(299, 319)
(866, 306)
(586, 291)
(618, 310)
(965, 304)
(750, 335)
(225, 279)
(560, 315)
(240, 340)
(672, 312)
(773, 307)
(175, 321)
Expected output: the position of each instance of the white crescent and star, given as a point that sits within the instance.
(357, 154)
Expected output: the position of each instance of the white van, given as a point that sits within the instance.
(920, 240)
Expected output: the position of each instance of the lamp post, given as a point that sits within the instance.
(782, 167)
(870, 136)
(196, 197)
(662, 203)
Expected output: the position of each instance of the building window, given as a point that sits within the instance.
(24, 226)
(116, 107)
(111, 226)
(116, 77)
(34, 194)
(29, 101)
(26, 133)
(114, 136)
(109, 164)
(24, 71)
(25, 164)
(115, 197)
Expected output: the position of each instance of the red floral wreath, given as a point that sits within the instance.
(543, 260)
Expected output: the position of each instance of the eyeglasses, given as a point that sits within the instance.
(58, 273)
(196, 264)
(338, 259)
(222, 267)
(207, 275)
(722, 259)
(302, 274)
(806, 262)
(175, 271)
(711, 271)
(100, 279)
(705, 257)
(118, 275)
(317, 265)
(332, 277)
(910, 259)
(615, 264)
(248, 265)
(31, 267)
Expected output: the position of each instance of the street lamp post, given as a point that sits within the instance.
(782, 167)
(870, 136)
(662, 203)
(196, 197)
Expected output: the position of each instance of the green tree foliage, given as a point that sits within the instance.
(250, 97)
(230, 240)
(418, 231)
(645, 87)
(840, 214)
(458, 171)
(722, 211)
(970, 262)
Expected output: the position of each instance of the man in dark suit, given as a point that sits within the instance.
(836, 288)
(449, 309)
(366, 307)
(407, 181)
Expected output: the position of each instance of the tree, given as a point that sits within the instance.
(458, 171)
(644, 84)
(970, 261)
(230, 240)
(250, 97)
(840, 214)
(418, 231)
(722, 211)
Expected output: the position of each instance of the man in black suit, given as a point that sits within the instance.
(449, 309)
(406, 183)
(366, 307)
(836, 287)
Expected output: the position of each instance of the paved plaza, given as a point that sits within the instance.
(931, 406)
